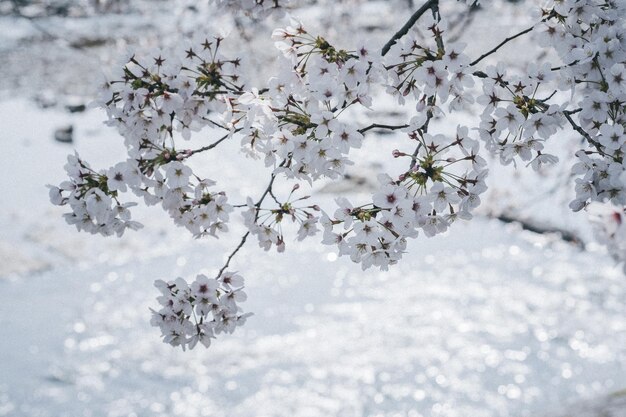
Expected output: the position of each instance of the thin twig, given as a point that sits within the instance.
(377, 125)
(268, 190)
(563, 66)
(423, 129)
(408, 25)
(233, 253)
(568, 116)
(211, 146)
(486, 54)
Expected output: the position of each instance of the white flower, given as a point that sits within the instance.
(443, 196)
(612, 136)
(389, 196)
(177, 174)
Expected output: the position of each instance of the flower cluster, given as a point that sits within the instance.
(443, 183)
(516, 120)
(266, 224)
(196, 313)
(156, 102)
(590, 38)
(422, 67)
(93, 197)
(297, 118)
(444, 176)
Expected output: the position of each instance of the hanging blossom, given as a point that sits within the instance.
(197, 312)
(299, 121)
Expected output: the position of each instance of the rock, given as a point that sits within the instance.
(75, 108)
(75, 105)
(84, 43)
(64, 134)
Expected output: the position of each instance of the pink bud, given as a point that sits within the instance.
(617, 218)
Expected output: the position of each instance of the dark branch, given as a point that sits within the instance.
(408, 25)
(267, 191)
(542, 229)
(564, 66)
(486, 54)
(233, 253)
(379, 126)
(568, 116)
(208, 147)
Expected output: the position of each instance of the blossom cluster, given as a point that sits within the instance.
(443, 183)
(445, 174)
(93, 198)
(266, 224)
(516, 121)
(196, 313)
(297, 119)
(590, 39)
(422, 67)
(156, 102)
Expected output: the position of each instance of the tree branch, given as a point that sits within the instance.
(268, 190)
(408, 25)
(233, 253)
(423, 129)
(541, 229)
(486, 54)
(568, 116)
(208, 147)
(377, 125)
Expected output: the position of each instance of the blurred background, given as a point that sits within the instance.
(516, 313)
